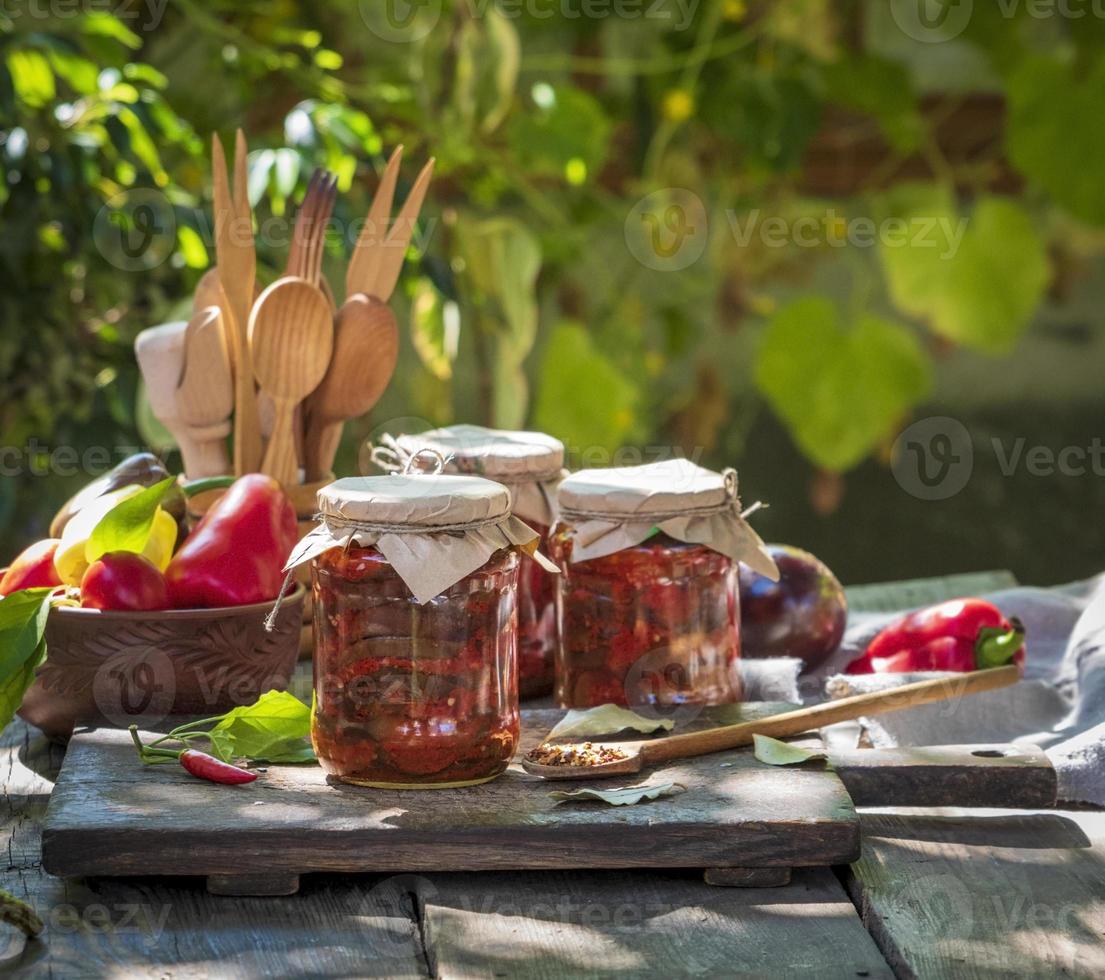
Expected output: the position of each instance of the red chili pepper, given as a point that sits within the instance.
(236, 554)
(960, 635)
(208, 767)
(198, 763)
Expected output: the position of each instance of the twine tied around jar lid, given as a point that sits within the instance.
(531, 464)
(621, 507)
(433, 529)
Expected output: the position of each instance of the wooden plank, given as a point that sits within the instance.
(641, 925)
(965, 894)
(963, 775)
(144, 928)
(111, 816)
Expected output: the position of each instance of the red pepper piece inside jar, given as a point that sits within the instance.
(647, 604)
(530, 465)
(415, 582)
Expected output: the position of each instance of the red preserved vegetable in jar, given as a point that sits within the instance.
(415, 604)
(648, 603)
(530, 465)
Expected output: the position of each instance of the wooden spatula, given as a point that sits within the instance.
(636, 755)
(366, 348)
(291, 338)
(237, 265)
(205, 392)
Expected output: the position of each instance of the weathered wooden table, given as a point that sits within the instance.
(937, 893)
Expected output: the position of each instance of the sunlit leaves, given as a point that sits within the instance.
(31, 76)
(572, 127)
(975, 278)
(488, 58)
(839, 388)
(582, 396)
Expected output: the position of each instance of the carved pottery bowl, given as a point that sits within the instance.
(123, 668)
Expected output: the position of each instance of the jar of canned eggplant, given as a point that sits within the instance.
(648, 606)
(415, 584)
(531, 466)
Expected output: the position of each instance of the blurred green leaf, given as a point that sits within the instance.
(102, 24)
(581, 395)
(573, 127)
(192, 248)
(32, 77)
(434, 341)
(976, 280)
(839, 389)
(1049, 134)
(882, 89)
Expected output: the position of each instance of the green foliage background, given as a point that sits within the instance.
(523, 302)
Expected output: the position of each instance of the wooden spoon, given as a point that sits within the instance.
(205, 392)
(366, 348)
(160, 355)
(639, 754)
(291, 338)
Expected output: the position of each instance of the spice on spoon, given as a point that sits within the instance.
(585, 754)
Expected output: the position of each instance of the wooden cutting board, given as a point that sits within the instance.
(109, 815)
(743, 822)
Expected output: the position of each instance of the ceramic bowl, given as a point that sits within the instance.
(122, 668)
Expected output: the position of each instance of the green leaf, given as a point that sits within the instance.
(127, 526)
(80, 73)
(839, 390)
(582, 396)
(776, 753)
(606, 719)
(621, 796)
(434, 329)
(487, 62)
(573, 127)
(192, 248)
(32, 77)
(23, 617)
(101, 24)
(977, 280)
(272, 729)
(1049, 136)
(882, 89)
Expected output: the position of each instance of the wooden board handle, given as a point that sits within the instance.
(948, 775)
(819, 715)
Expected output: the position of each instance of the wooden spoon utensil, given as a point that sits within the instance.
(366, 348)
(205, 392)
(636, 755)
(291, 338)
(378, 255)
(237, 265)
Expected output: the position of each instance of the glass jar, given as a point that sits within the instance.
(408, 694)
(657, 624)
(415, 588)
(531, 465)
(648, 602)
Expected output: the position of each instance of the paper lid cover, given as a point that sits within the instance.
(496, 453)
(429, 500)
(617, 508)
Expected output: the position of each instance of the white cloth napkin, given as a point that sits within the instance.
(1060, 705)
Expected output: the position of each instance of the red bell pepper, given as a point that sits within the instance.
(959, 635)
(236, 554)
(32, 568)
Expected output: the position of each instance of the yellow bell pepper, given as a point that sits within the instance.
(70, 560)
